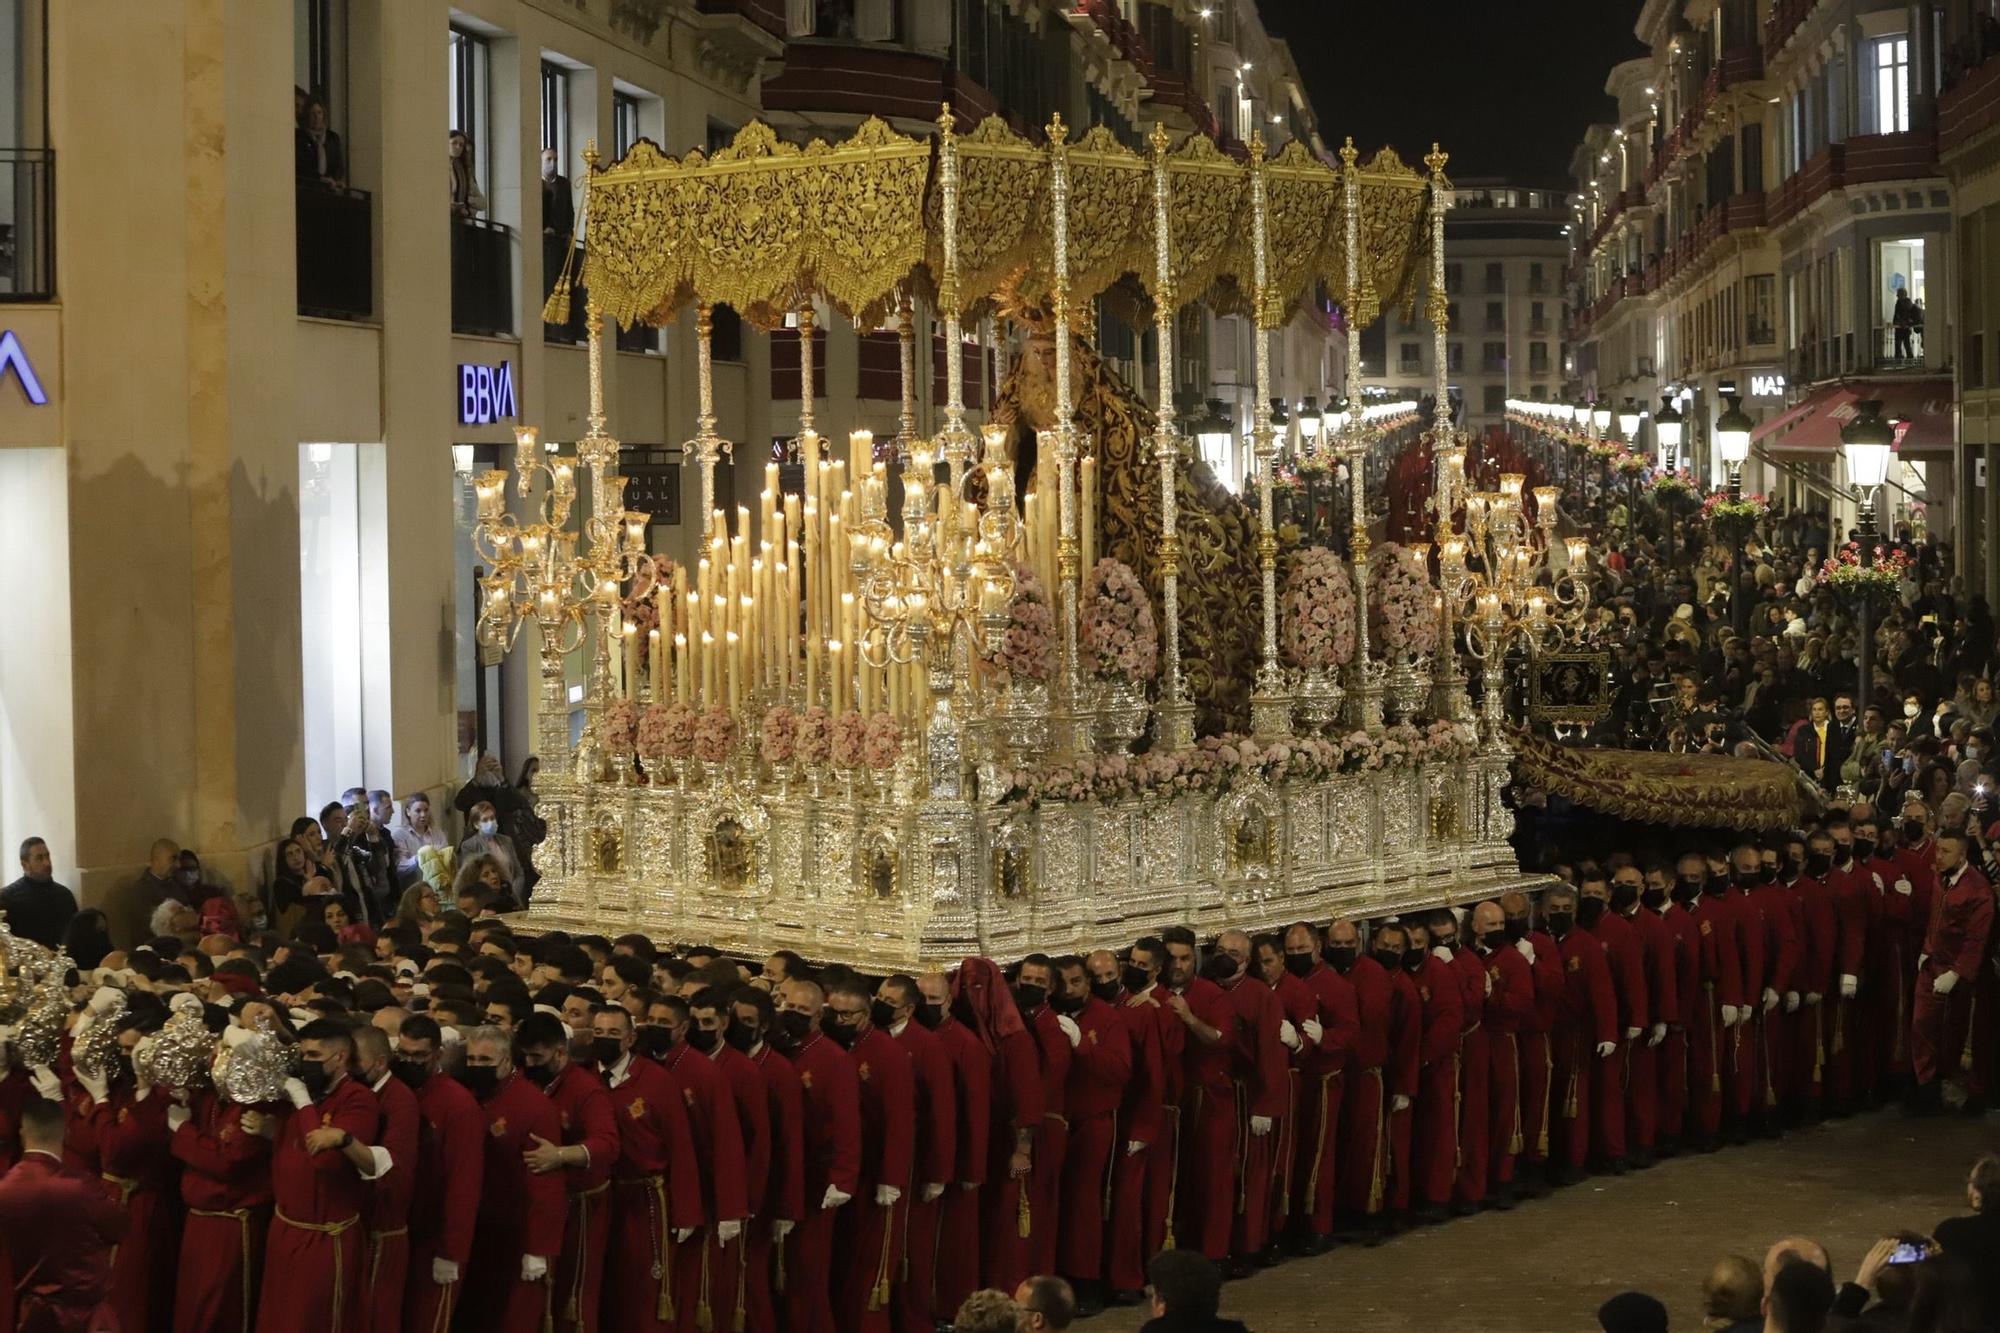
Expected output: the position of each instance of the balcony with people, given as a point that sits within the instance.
(336, 267)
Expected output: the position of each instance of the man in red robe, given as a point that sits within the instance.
(1818, 982)
(1434, 1132)
(1955, 950)
(1098, 1076)
(708, 1009)
(1892, 959)
(1034, 985)
(57, 1232)
(705, 1269)
(1143, 1172)
(385, 1265)
(129, 1123)
(777, 1212)
(1851, 889)
(1625, 955)
(1585, 1036)
(1740, 1080)
(582, 1159)
(933, 1156)
(656, 1200)
(226, 1188)
(1332, 1033)
(1663, 903)
(519, 1231)
(831, 1093)
(1507, 1001)
(1363, 1166)
(981, 1000)
(1394, 953)
(1537, 1071)
(320, 1169)
(1725, 999)
(450, 1167)
(1296, 1004)
(957, 1243)
(1262, 1078)
(1642, 1061)
(868, 1250)
(1208, 1166)
(1781, 972)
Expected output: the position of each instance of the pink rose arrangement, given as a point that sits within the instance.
(1402, 617)
(653, 732)
(1318, 610)
(882, 742)
(780, 736)
(1213, 764)
(1119, 641)
(815, 736)
(715, 735)
(1447, 742)
(849, 731)
(677, 730)
(621, 722)
(639, 606)
(1028, 652)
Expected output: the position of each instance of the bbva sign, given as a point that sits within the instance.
(485, 393)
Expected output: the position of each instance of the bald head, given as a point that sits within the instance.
(1343, 934)
(1237, 945)
(935, 988)
(1487, 917)
(1802, 1248)
(1514, 904)
(802, 995)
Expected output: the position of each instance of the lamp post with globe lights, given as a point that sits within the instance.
(1732, 442)
(1866, 442)
(1667, 424)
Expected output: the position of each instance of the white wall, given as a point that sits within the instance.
(37, 758)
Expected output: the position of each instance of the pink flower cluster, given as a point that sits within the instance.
(715, 735)
(621, 722)
(849, 731)
(1318, 610)
(1447, 742)
(678, 731)
(638, 606)
(1213, 764)
(1028, 652)
(653, 732)
(780, 736)
(1402, 615)
(1119, 641)
(815, 735)
(882, 743)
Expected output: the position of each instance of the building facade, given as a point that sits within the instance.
(242, 406)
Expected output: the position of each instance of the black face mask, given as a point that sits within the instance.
(1413, 959)
(413, 1073)
(1718, 884)
(881, 1013)
(1864, 848)
(316, 1079)
(1623, 896)
(794, 1027)
(1517, 928)
(1340, 957)
(1818, 863)
(740, 1035)
(653, 1041)
(703, 1040)
(1560, 922)
(480, 1080)
(1589, 911)
(1390, 959)
(1687, 888)
(1030, 997)
(1493, 939)
(1107, 991)
(1653, 899)
(607, 1051)
(830, 1024)
(1913, 830)
(1794, 866)
(1298, 964)
(1066, 1003)
(539, 1075)
(1843, 854)
(1767, 874)
(930, 1015)
(1134, 977)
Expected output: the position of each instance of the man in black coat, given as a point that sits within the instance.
(37, 907)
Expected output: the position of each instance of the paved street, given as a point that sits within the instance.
(1544, 1267)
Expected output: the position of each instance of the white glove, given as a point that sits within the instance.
(533, 1268)
(186, 1002)
(1442, 954)
(933, 1191)
(1659, 1034)
(1070, 1030)
(886, 1196)
(1398, 1103)
(233, 1036)
(1314, 1032)
(1903, 887)
(1850, 985)
(1526, 950)
(1770, 999)
(1729, 1015)
(1487, 977)
(93, 1084)
(1812, 998)
(834, 1198)
(1289, 1035)
(142, 1055)
(1791, 1002)
(682, 1235)
(1632, 1034)
(296, 1091)
(1605, 1048)
(1946, 980)
(1260, 1125)
(177, 1115)
(105, 1001)
(728, 1231)
(1922, 958)
(1133, 1147)
(781, 1228)
(444, 1272)
(47, 1086)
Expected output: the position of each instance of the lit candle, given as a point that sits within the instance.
(631, 660)
(861, 450)
(680, 668)
(1087, 513)
(707, 668)
(655, 673)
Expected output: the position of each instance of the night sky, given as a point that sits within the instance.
(1516, 84)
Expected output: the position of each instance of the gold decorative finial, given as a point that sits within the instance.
(590, 154)
(1349, 154)
(1435, 160)
(946, 121)
(1158, 138)
(1256, 145)
(1057, 130)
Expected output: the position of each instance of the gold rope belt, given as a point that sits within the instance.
(663, 1238)
(324, 1229)
(127, 1186)
(241, 1216)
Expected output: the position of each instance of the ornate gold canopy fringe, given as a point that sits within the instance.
(1678, 790)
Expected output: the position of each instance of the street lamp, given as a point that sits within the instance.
(1732, 441)
(1309, 420)
(1667, 433)
(1600, 417)
(1866, 441)
(1628, 421)
(1215, 437)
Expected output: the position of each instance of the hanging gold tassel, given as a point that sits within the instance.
(555, 310)
(1023, 1223)
(704, 1318)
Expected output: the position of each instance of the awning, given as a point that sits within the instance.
(1813, 426)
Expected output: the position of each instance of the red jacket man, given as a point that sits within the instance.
(1724, 1003)
(1206, 1198)
(1034, 984)
(582, 1159)
(1146, 1141)
(57, 1231)
(1585, 1036)
(130, 1126)
(705, 1269)
(1434, 1149)
(868, 1251)
(981, 1000)
(1537, 1072)
(1332, 1033)
(1656, 949)
(1851, 889)
(385, 1267)
(775, 1215)
(1892, 961)
(1625, 955)
(1299, 1007)
(1955, 948)
(831, 1094)
(1099, 1072)
(1507, 988)
(934, 1157)
(450, 1168)
(226, 1188)
(958, 1239)
(1363, 1173)
(1406, 1061)
(1818, 983)
(1682, 942)
(1780, 916)
(519, 1231)
(746, 1084)
(656, 1197)
(1262, 1078)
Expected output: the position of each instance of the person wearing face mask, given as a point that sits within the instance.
(1260, 1079)
(707, 1035)
(313, 1253)
(1742, 1078)
(656, 1196)
(1956, 944)
(1611, 1090)
(127, 1123)
(1099, 1074)
(1472, 1147)
(893, 1012)
(448, 1173)
(1391, 949)
(706, 1267)
(1816, 979)
(1205, 1194)
(1681, 945)
(1702, 889)
(484, 838)
(1295, 1002)
(225, 1181)
(867, 1250)
(1359, 1179)
(1536, 1071)
(957, 1240)
(518, 1233)
(1507, 1000)
(1894, 940)
(1331, 1031)
(1033, 984)
(831, 1097)
(751, 1015)
(1585, 1036)
(1656, 948)
(1434, 1128)
(1788, 893)
(1851, 891)
(581, 1159)
(385, 1268)
(1146, 1142)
